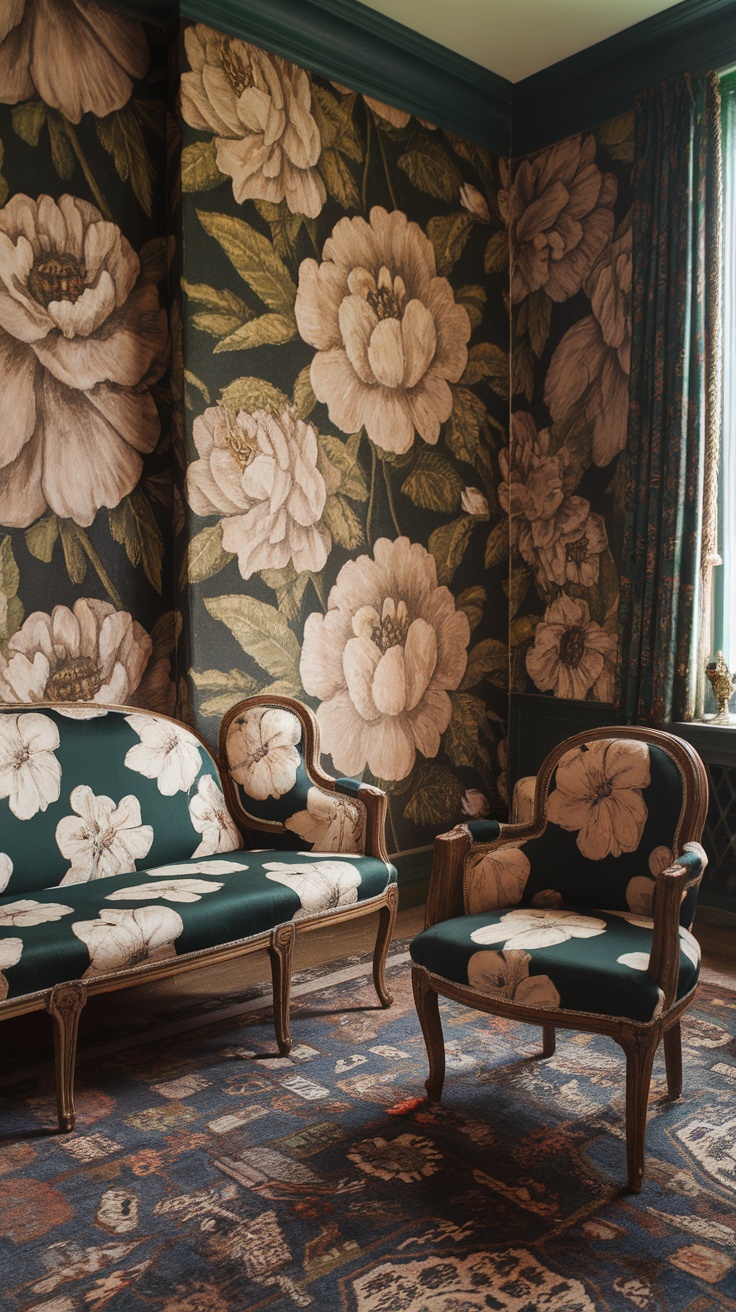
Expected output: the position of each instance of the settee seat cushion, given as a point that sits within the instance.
(102, 926)
(574, 958)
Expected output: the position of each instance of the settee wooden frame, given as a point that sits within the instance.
(639, 1040)
(66, 1001)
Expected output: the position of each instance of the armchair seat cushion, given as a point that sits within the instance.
(573, 958)
(84, 930)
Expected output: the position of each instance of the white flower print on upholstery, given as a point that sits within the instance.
(211, 818)
(506, 975)
(30, 775)
(598, 791)
(6, 870)
(539, 928)
(212, 867)
(167, 753)
(330, 823)
(495, 879)
(11, 950)
(104, 838)
(319, 885)
(261, 751)
(122, 939)
(170, 890)
(26, 911)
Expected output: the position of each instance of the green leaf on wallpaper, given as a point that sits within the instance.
(516, 587)
(283, 224)
(522, 375)
(75, 558)
(497, 546)
(251, 394)
(134, 525)
(9, 572)
(433, 484)
(448, 234)
(199, 171)
(488, 364)
(62, 155)
(206, 555)
(431, 170)
(27, 120)
(339, 179)
(227, 686)
(460, 739)
(343, 456)
(263, 634)
(289, 588)
(436, 796)
(41, 538)
(474, 300)
(343, 523)
(223, 311)
(522, 629)
(121, 136)
(334, 118)
(254, 258)
(575, 432)
(467, 421)
(609, 584)
(266, 330)
(488, 659)
(304, 398)
(496, 258)
(448, 544)
(617, 135)
(533, 318)
(472, 601)
(197, 383)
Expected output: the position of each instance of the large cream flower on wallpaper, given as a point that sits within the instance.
(599, 792)
(260, 473)
(559, 209)
(90, 653)
(80, 342)
(382, 660)
(259, 108)
(76, 55)
(567, 657)
(593, 358)
(389, 335)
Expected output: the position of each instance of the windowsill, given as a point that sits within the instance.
(716, 743)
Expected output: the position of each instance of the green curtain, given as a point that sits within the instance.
(670, 516)
(724, 599)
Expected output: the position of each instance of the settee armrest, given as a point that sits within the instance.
(672, 887)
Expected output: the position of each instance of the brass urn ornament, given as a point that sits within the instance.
(723, 684)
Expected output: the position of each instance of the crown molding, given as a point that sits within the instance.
(602, 82)
(345, 41)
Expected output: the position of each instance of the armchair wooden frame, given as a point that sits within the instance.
(639, 1040)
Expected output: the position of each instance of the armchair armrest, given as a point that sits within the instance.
(375, 802)
(445, 895)
(672, 885)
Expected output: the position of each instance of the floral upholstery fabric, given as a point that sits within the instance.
(576, 959)
(613, 813)
(106, 790)
(83, 930)
(265, 760)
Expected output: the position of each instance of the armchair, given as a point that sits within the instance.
(579, 918)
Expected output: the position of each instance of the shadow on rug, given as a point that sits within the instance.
(207, 1175)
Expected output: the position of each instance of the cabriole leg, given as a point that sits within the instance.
(427, 1005)
(640, 1049)
(387, 920)
(549, 1041)
(673, 1060)
(281, 951)
(65, 1007)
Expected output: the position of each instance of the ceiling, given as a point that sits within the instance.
(518, 37)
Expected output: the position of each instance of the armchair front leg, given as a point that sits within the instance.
(672, 885)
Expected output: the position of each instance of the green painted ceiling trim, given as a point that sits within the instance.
(601, 82)
(346, 41)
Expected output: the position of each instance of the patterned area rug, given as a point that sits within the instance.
(207, 1175)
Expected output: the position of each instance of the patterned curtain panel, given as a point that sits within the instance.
(669, 525)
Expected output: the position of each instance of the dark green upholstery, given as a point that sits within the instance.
(576, 959)
(612, 816)
(83, 798)
(264, 756)
(111, 924)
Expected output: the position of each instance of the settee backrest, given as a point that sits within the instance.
(86, 793)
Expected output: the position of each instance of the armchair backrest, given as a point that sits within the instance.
(270, 750)
(108, 790)
(612, 808)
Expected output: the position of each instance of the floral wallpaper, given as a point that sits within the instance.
(85, 467)
(569, 215)
(345, 366)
